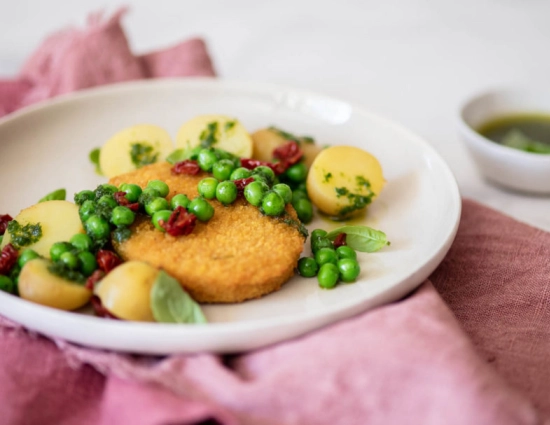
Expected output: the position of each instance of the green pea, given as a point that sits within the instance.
(194, 153)
(304, 209)
(226, 192)
(254, 192)
(283, 190)
(345, 251)
(162, 215)
(240, 173)
(221, 154)
(318, 233)
(26, 256)
(97, 227)
(207, 187)
(87, 262)
(265, 171)
(59, 248)
(69, 259)
(297, 172)
(6, 284)
(156, 204)
(307, 266)
(201, 208)
(223, 169)
(179, 200)
(159, 185)
(259, 178)
(83, 196)
(326, 255)
(206, 159)
(133, 191)
(14, 276)
(349, 269)
(319, 243)
(107, 200)
(105, 189)
(81, 242)
(328, 276)
(147, 194)
(299, 194)
(123, 216)
(86, 210)
(273, 204)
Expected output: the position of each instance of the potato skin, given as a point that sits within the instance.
(39, 285)
(229, 135)
(338, 174)
(266, 140)
(115, 158)
(59, 221)
(126, 291)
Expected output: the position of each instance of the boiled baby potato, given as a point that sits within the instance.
(343, 179)
(58, 220)
(126, 291)
(39, 285)
(216, 131)
(266, 140)
(133, 148)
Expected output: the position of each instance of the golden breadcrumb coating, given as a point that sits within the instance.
(238, 255)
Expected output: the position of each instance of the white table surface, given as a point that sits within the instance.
(413, 61)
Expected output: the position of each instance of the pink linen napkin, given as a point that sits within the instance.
(74, 59)
(470, 346)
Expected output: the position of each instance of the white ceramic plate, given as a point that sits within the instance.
(46, 147)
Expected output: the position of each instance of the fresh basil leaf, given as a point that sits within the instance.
(361, 238)
(171, 304)
(94, 159)
(56, 195)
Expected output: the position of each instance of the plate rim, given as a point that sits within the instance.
(404, 286)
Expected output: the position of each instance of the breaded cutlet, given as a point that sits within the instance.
(237, 255)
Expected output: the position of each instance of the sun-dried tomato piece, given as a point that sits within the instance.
(95, 277)
(121, 199)
(340, 240)
(242, 183)
(188, 166)
(4, 220)
(180, 223)
(289, 153)
(8, 258)
(107, 260)
(100, 310)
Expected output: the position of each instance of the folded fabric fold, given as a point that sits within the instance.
(74, 59)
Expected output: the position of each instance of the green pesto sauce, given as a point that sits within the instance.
(64, 272)
(142, 154)
(121, 234)
(229, 125)
(208, 136)
(94, 159)
(291, 137)
(356, 199)
(526, 132)
(22, 236)
(296, 224)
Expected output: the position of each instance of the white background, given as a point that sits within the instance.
(413, 61)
